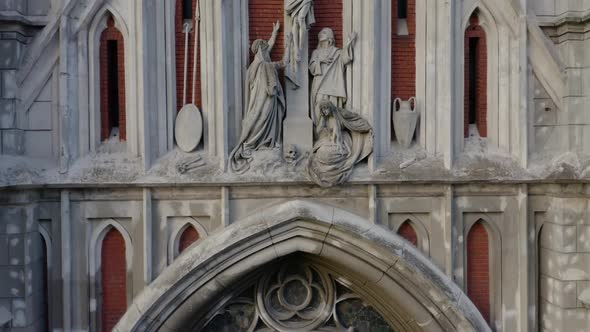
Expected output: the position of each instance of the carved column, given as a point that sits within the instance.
(298, 127)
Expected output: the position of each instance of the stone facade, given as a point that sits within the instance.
(473, 223)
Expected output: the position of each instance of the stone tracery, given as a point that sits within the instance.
(297, 296)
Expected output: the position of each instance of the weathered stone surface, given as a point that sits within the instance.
(7, 113)
(8, 84)
(12, 142)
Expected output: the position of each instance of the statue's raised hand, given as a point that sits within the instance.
(276, 27)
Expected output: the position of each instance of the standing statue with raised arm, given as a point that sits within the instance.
(263, 122)
(328, 67)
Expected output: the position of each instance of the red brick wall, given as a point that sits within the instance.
(478, 269)
(403, 54)
(328, 14)
(407, 232)
(262, 14)
(476, 31)
(109, 34)
(188, 237)
(113, 279)
(180, 49)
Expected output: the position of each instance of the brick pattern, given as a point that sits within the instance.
(328, 14)
(403, 54)
(474, 30)
(478, 269)
(407, 232)
(262, 15)
(180, 50)
(188, 237)
(111, 33)
(113, 279)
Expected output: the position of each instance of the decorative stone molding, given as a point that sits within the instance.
(296, 296)
(402, 282)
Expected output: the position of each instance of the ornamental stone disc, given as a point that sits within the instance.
(188, 129)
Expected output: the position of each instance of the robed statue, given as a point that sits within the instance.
(263, 122)
(302, 17)
(328, 67)
(344, 139)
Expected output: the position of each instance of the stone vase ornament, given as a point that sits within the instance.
(404, 118)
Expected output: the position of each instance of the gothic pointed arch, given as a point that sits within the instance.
(481, 64)
(109, 58)
(110, 254)
(483, 265)
(478, 268)
(328, 244)
(408, 232)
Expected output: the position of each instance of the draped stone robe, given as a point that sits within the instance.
(345, 138)
(328, 67)
(262, 125)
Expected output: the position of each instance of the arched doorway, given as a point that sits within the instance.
(317, 256)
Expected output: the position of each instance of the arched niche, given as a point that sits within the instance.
(95, 264)
(495, 261)
(95, 30)
(419, 227)
(487, 23)
(400, 283)
(176, 233)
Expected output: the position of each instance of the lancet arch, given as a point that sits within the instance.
(394, 277)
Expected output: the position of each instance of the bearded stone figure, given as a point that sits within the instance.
(263, 122)
(344, 139)
(328, 68)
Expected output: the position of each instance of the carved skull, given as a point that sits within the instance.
(291, 154)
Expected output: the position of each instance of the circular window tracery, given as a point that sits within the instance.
(296, 296)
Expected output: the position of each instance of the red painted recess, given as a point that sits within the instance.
(403, 53)
(180, 52)
(408, 232)
(113, 35)
(188, 237)
(478, 269)
(113, 280)
(475, 41)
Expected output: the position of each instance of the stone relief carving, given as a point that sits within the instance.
(328, 68)
(297, 296)
(404, 118)
(344, 139)
(301, 16)
(293, 156)
(265, 104)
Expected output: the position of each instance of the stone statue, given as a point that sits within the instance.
(328, 67)
(263, 122)
(302, 17)
(344, 139)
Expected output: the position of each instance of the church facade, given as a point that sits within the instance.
(294, 165)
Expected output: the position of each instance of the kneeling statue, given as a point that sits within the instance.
(344, 139)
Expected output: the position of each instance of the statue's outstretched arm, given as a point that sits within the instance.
(273, 38)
